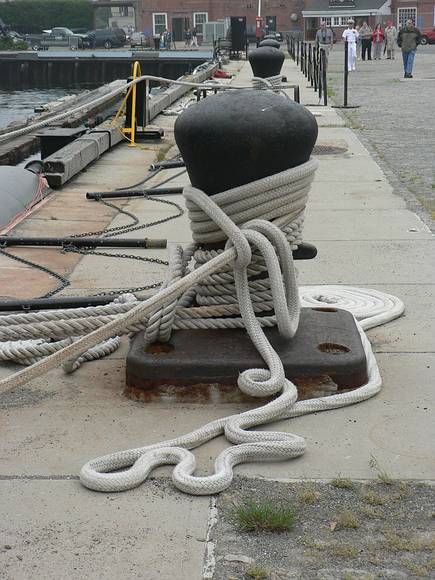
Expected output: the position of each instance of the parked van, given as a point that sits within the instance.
(107, 37)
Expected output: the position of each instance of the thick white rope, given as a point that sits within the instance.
(103, 474)
(273, 250)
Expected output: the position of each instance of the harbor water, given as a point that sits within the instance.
(18, 104)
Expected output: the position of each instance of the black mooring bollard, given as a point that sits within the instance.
(228, 140)
(270, 42)
(237, 137)
(266, 61)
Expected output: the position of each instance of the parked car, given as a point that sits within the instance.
(139, 39)
(16, 38)
(428, 36)
(58, 36)
(107, 37)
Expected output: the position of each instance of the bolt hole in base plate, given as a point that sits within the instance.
(332, 348)
(203, 365)
(159, 348)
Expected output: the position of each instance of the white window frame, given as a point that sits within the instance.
(335, 21)
(327, 20)
(195, 24)
(165, 14)
(406, 9)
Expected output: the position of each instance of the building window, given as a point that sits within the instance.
(160, 23)
(327, 20)
(336, 20)
(123, 10)
(199, 19)
(404, 14)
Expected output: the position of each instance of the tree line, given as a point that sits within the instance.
(32, 16)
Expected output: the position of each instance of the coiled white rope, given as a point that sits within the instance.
(274, 254)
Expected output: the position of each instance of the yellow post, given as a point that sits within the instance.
(130, 130)
(136, 74)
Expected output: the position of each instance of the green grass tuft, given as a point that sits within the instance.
(254, 516)
(257, 573)
(348, 519)
(374, 498)
(342, 483)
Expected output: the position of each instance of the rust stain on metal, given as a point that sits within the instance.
(149, 391)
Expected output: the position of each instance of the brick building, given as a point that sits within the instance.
(421, 11)
(336, 13)
(300, 17)
(179, 15)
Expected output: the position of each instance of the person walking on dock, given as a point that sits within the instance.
(408, 39)
(365, 33)
(194, 41)
(390, 39)
(350, 35)
(378, 41)
(325, 39)
(187, 37)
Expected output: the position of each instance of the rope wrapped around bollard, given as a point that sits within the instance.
(103, 474)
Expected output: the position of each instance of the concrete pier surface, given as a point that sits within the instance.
(52, 527)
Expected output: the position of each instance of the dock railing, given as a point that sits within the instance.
(312, 62)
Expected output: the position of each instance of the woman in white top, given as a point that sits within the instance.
(350, 35)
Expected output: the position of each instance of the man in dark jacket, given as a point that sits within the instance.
(408, 39)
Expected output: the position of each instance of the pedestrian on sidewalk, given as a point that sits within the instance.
(365, 33)
(390, 39)
(187, 37)
(408, 39)
(378, 37)
(325, 39)
(350, 35)
(194, 41)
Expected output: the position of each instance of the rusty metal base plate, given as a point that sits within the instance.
(325, 356)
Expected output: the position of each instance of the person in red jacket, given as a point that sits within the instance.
(378, 38)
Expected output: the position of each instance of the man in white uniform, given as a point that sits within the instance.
(350, 35)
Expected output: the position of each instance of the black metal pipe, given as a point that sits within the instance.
(324, 77)
(346, 72)
(133, 192)
(55, 303)
(85, 242)
(167, 165)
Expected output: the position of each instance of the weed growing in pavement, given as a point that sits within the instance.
(336, 549)
(255, 516)
(343, 550)
(402, 491)
(348, 519)
(372, 513)
(381, 473)
(420, 570)
(257, 573)
(308, 496)
(342, 483)
(374, 498)
(404, 542)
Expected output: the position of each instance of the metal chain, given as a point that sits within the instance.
(124, 256)
(106, 233)
(63, 281)
(110, 232)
